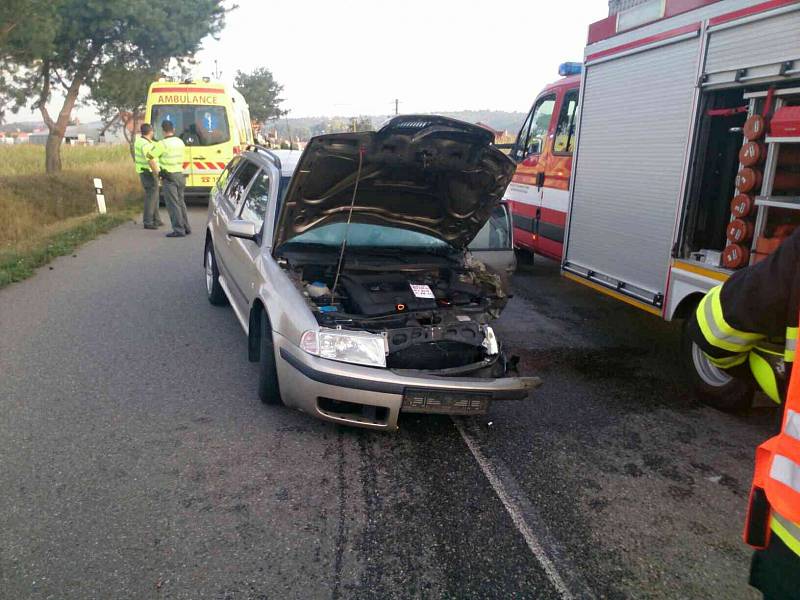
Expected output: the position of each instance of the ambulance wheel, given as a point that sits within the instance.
(726, 390)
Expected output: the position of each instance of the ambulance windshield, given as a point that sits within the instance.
(196, 125)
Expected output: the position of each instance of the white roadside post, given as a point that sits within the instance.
(101, 199)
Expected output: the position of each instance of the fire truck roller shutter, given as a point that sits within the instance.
(633, 140)
(762, 45)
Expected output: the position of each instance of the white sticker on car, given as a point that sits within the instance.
(421, 290)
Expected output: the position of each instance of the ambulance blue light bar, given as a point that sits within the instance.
(570, 68)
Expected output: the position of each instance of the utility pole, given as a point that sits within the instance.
(217, 74)
(396, 106)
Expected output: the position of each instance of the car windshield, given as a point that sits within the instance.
(196, 125)
(365, 235)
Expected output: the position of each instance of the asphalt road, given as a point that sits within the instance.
(137, 462)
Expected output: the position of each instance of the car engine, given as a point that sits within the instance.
(434, 317)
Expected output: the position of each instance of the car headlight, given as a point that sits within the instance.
(357, 347)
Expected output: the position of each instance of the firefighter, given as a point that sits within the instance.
(148, 175)
(169, 152)
(756, 305)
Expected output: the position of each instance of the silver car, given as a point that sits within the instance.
(349, 268)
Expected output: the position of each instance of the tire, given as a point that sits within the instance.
(269, 390)
(729, 391)
(216, 295)
(524, 257)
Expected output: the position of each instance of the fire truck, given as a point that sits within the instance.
(670, 161)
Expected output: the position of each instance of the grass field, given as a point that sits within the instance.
(42, 216)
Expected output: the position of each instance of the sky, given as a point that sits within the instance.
(350, 58)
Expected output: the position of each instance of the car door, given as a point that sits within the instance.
(227, 210)
(531, 150)
(493, 245)
(254, 208)
(218, 191)
(554, 193)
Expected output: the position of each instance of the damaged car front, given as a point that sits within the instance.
(385, 310)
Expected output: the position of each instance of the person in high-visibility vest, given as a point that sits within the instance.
(169, 152)
(147, 168)
(758, 304)
(755, 310)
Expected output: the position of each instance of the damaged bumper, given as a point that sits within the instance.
(374, 397)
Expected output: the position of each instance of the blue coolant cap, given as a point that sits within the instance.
(570, 68)
(326, 309)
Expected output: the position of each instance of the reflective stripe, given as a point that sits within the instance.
(786, 471)
(791, 344)
(792, 427)
(786, 530)
(727, 362)
(717, 331)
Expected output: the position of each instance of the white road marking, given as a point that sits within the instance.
(516, 514)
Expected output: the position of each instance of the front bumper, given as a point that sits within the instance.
(373, 397)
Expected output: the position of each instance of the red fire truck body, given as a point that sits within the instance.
(628, 173)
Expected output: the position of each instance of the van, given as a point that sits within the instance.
(211, 118)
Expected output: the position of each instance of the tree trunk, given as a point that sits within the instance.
(133, 136)
(52, 152)
(58, 127)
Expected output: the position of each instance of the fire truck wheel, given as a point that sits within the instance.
(524, 257)
(723, 390)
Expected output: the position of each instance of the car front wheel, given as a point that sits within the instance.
(216, 295)
(268, 389)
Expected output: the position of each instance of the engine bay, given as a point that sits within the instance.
(434, 316)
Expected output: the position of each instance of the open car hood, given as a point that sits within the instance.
(428, 174)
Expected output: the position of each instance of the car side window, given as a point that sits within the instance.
(257, 201)
(522, 136)
(239, 182)
(222, 182)
(540, 124)
(565, 130)
(496, 233)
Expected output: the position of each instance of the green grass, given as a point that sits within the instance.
(28, 159)
(19, 264)
(44, 216)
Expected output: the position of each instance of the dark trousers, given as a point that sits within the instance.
(150, 216)
(174, 183)
(775, 571)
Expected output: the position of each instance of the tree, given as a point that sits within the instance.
(86, 35)
(261, 91)
(120, 95)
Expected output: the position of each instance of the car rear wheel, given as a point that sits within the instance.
(216, 295)
(721, 389)
(268, 389)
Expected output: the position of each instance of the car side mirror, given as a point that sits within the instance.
(242, 229)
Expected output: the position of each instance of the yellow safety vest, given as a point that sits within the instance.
(140, 149)
(169, 153)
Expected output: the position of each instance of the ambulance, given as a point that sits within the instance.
(670, 161)
(211, 118)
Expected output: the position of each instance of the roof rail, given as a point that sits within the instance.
(270, 154)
